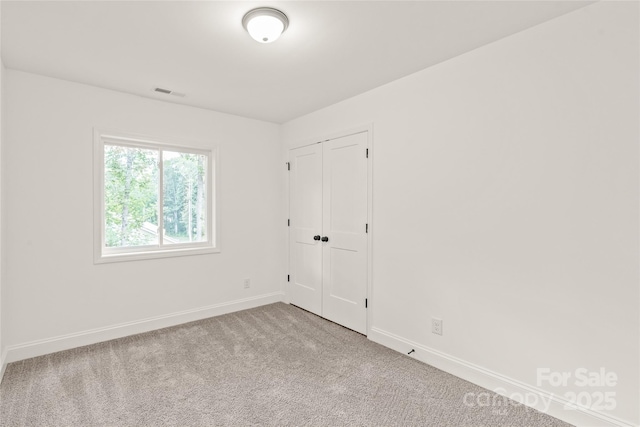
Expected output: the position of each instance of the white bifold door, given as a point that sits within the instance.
(328, 242)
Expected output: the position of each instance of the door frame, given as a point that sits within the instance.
(368, 128)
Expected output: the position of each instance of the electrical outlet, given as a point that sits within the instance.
(436, 326)
(247, 283)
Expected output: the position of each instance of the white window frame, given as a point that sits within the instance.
(102, 254)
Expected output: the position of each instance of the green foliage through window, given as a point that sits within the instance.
(134, 208)
(184, 197)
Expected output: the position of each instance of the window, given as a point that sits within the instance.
(152, 199)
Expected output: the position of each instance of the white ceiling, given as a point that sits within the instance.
(332, 50)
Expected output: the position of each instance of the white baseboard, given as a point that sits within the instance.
(3, 364)
(27, 350)
(541, 400)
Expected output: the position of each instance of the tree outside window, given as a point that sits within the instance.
(153, 197)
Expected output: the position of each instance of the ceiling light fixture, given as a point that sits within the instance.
(265, 24)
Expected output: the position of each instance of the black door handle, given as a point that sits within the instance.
(325, 239)
(316, 237)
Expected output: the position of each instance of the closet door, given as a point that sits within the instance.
(344, 219)
(305, 210)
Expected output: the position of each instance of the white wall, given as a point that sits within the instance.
(53, 286)
(505, 202)
(2, 366)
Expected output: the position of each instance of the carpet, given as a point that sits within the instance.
(271, 365)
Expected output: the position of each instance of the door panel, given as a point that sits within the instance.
(343, 188)
(305, 186)
(343, 276)
(344, 207)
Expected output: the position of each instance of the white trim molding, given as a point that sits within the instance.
(544, 402)
(159, 249)
(3, 364)
(27, 350)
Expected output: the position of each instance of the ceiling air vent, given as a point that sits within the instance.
(168, 92)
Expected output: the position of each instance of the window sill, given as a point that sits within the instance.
(155, 254)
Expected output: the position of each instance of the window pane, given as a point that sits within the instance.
(130, 196)
(185, 197)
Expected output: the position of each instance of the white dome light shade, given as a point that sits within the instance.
(265, 24)
(265, 29)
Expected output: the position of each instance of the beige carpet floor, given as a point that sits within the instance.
(272, 365)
